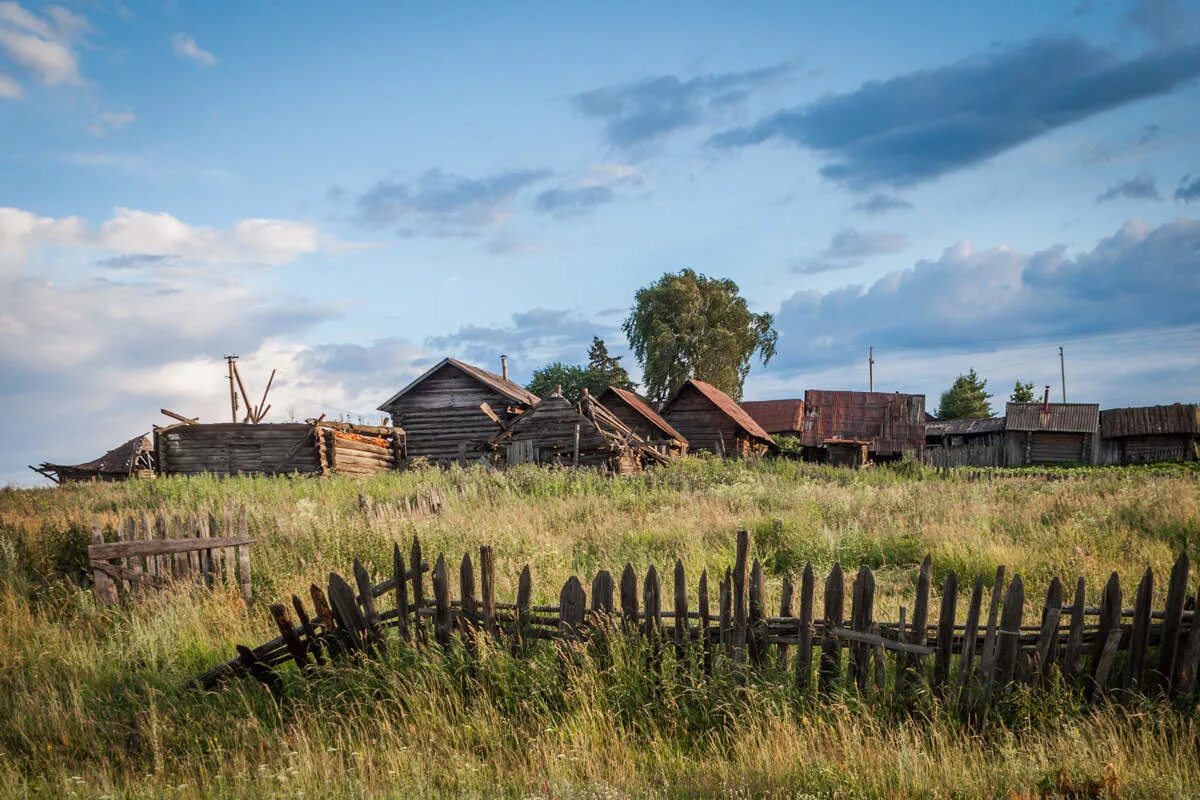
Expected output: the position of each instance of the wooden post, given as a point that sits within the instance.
(914, 662)
(524, 596)
(1047, 644)
(487, 587)
(681, 616)
(831, 648)
(418, 589)
(785, 611)
(442, 619)
(1172, 621)
(1187, 663)
(346, 612)
(1108, 638)
(366, 599)
(740, 613)
(629, 600)
(861, 618)
(987, 660)
(1009, 636)
(725, 614)
(1070, 665)
(945, 632)
(705, 622)
(466, 588)
(312, 645)
(243, 557)
(294, 646)
(602, 595)
(398, 573)
(1139, 636)
(970, 637)
(102, 584)
(134, 563)
(652, 622)
(757, 617)
(804, 649)
(572, 603)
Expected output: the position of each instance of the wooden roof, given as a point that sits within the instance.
(1057, 417)
(118, 461)
(513, 391)
(638, 404)
(777, 416)
(726, 405)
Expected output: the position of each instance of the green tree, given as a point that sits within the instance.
(605, 370)
(686, 325)
(569, 377)
(967, 398)
(1022, 393)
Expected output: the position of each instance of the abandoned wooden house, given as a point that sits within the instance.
(1150, 433)
(1051, 433)
(965, 442)
(712, 422)
(450, 412)
(556, 431)
(892, 424)
(638, 416)
(133, 459)
(777, 417)
(315, 447)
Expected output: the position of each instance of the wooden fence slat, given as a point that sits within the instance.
(1071, 656)
(705, 622)
(987, 659)
(966, 665)
(521, 615)
(725, 623)
(468, 621)
(629, 597)
(804, 648)
(651, 598)
(945, 632)
(366, 599)
(919, 633)
(133, 563)
(102, 584)
(1172, 619)
(831, 647)
(260, 671)
(786, 592)
(228, 554)
(418, 589)
(1187, 663)
(1008, 636)
(442, 620)
(243, 558)
(106, 550)
(487, 590)
(401, 589)
(346, 611)
(194, 556)
(288, 632)
(739, 599)
(1047, 644)
(602, 593)
(572, 605)
(681, 615)
(1139, 634)
(311, 644)
(757, 613)
(861, 619)
(1108, 636)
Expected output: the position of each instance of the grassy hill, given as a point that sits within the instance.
(92, 702)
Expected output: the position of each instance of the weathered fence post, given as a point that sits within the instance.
(1009, 636)
(725, 618)
(487, 587)
(740, 613)
(705, 622)
(831, 648)
(629, 601)
(1187, 665)
(1172, 621)
(913, 663)
(294, 646)
(311, 644)
(398, 573)
(345, 610)
(366, 598)
(1070, 664)
(805, 625)
(652, 616)
(572, 605)
(466, 586)
(785, 611)
(861, 618)
(521, 613)
(418, 589)
(681, 616)
(1108, 638)
(102, 584)
(1047, 643)
(756, 632)
(442, 620)
(1139, 635)
(966, 664)
(945, 632)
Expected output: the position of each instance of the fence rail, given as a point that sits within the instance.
(1105, 651)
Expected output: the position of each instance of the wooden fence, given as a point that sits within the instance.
(151, 551)
(1106, 651)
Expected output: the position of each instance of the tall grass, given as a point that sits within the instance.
(92, 702)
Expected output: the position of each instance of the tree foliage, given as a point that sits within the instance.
(603, 370)
(1022, 393)
(687, 325)
(967, 398)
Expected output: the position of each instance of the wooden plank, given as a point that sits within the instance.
(1109, 628)
(874, 639)
(469, 621)
(804, 649)
(228, 554)
(1104, 663)
(629, 600)
(681, 614)
(970, 635)
(102, 585)
(524, 594)
(919, 633)
(401, 588)
(286, 630)
(366, 599)
(831, 648)
(652, 614)
(418, 590)
(1172, 618)
(103, 551)
(987, 659)
(602, 594)
(1071, 656)
(442, 619)
(193, 557)
(1187, 662)
(312, 644)
(757, 614)
(862, 615)
(786, 593)
(573, 605)
(725, 613)
(260, 671)
(1008, 641)
(738, 598)
(1047, 644)
(133, 563)
(945, 632)
(243, 558)
(487, 590)
(1139, 634)
(705, 622)
(350, 622)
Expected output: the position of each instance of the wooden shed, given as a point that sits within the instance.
(711, 421)
(315, 447)
(134, 458)
(638, 416)
(442, 411)
(892, 423)
(1051, 433)
(555, 431)
(1149, 433)
(965, 442)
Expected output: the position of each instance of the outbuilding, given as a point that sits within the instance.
(1051, 433)
(1149, 433)
(713, 422)
(635, 412)
(891, 424)
(965, 442)
(134, 458)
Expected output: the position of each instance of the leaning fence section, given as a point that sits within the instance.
(153, 550)
(1113, 650)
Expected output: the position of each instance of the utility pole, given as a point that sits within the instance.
(871, 369)
(233, 403)
(1062, 368)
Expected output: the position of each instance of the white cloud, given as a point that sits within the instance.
(185, 47)
(9, 88)
(43, 46)
(110, 121)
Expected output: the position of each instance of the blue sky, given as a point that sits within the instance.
(349, 197)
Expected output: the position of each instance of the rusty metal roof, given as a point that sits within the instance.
(964, 427)
(893, 423)
(777, 416)
(727, 406)
(639, 404)
(1178, 418)
(1059, 417)
(513, 391)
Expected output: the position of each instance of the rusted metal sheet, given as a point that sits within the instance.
(1178, 418)
(777, 416)
(1057, 417)
(892, 423)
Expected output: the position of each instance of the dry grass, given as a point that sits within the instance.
(91, 704)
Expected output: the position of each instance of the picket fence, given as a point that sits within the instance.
(1106, 651)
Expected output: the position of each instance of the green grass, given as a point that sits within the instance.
(92, 702)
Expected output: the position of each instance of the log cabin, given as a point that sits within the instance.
(1051, 433)
(443, 411)
(639, 417)
(712, 422)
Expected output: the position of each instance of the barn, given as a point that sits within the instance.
(711, 421)
(450, 412)
(1051, 433)
(556, 431)
(965, 442)
(777, 417)
(892, 424)
(134, 458)
(315, 447)
(639, 417)
(1149, 433)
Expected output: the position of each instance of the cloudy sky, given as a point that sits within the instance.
(349, 198)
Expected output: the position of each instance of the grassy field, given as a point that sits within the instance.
(92, 702)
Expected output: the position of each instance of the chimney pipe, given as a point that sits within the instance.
(504, 367)
(1046, 400)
